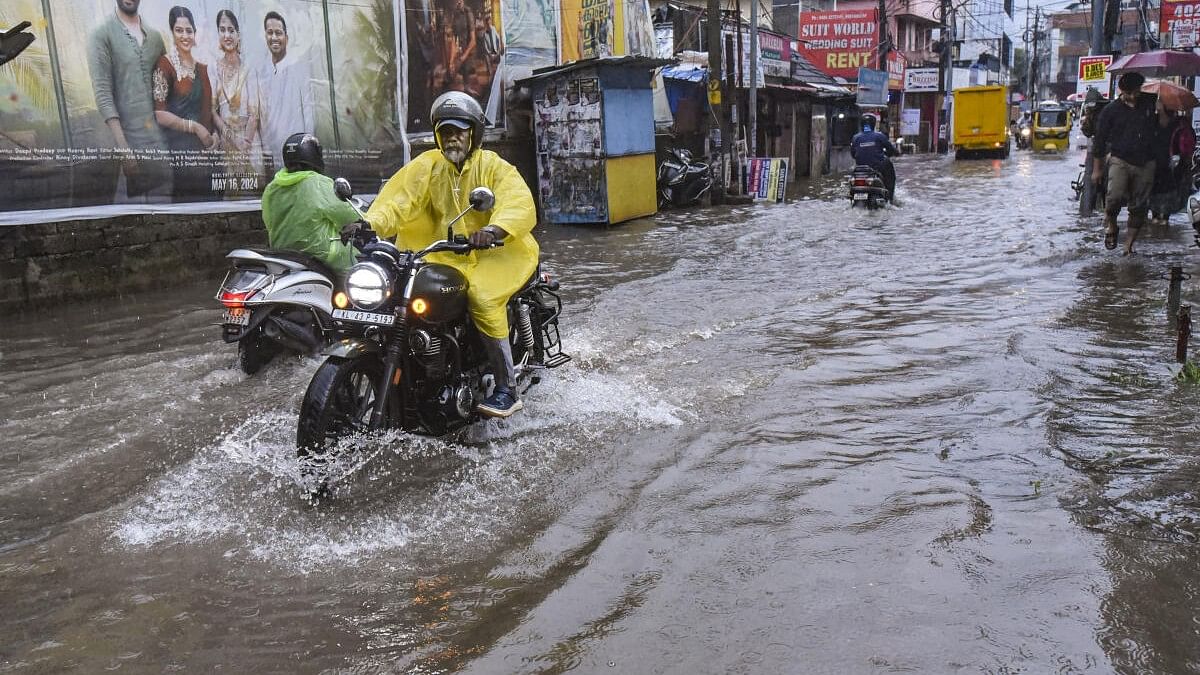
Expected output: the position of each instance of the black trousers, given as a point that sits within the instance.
(888, 172)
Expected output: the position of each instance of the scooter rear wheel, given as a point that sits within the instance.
(255, 351)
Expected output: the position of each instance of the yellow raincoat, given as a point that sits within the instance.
(416, 204)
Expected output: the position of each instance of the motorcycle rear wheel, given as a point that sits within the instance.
(256, 351)
(339, 401)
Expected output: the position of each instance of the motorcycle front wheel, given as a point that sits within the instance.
(339, 401)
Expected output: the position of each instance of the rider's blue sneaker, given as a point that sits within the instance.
(502, 403)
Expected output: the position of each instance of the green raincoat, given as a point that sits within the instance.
(302, 213)
(425, 194)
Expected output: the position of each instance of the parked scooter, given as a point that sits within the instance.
(867, 188)
(681, 181)
(276, 301)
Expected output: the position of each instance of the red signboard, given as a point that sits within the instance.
(839, 43)
(1181, 21)
(895, 69)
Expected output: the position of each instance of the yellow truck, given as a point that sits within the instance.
(981, 121)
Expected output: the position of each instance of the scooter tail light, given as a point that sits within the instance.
(235, 299)
(860, 182)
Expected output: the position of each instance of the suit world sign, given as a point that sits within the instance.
(839, 43)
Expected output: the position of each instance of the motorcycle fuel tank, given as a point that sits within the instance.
(442, 289)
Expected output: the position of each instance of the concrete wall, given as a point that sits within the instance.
(77, 259)
(81, 259)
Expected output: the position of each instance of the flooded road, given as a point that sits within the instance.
(795, 438)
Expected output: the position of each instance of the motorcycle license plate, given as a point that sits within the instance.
(860, 197)
(363, 317)
(236, 317)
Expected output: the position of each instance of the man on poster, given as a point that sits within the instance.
(122, 53)
(289, 105)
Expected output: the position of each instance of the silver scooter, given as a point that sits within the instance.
(276, 301)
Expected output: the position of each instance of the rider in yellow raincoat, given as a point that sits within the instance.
(416, 204)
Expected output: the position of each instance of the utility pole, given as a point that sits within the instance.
(1142, 41)
(1088, 200)
(752, 142)
(947, 77)
(1028, 59)
(715, 80)
(1035, 69)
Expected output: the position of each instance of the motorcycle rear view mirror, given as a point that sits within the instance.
(14, 41)
(482, 199)
(341, 187)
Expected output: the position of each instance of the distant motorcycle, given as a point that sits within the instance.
(275, 301)
(1024, 134)
(867, 188)
(681, 181)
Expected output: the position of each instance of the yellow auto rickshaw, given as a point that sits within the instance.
(1051, 128)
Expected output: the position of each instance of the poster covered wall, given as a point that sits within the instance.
(189, 101)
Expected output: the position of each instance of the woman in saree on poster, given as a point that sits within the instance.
(183, 108)
(235, 103)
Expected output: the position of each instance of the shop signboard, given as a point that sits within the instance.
(872, 87)
(840, 42)
(917, 80)
(1093, 72)
(1180, 19)
(895, 69)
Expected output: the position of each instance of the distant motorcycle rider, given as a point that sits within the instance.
(872, 148)
(301, 210)
(428, 192)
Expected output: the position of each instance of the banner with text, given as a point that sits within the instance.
(189, 101)
(1093, 72)
(766, 178)
(838, 43)
(872, 88)
(1179, 22)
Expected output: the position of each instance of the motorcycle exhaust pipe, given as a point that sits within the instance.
(291, 335)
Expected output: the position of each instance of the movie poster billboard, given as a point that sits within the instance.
(189, 101)
(453, 45)
(838, 43)
(588, 29)
(530, 37)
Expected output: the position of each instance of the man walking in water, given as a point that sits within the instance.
(1126, 133)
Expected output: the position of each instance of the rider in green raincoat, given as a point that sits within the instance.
(300, 209)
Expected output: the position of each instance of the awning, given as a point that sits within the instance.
(812, 89)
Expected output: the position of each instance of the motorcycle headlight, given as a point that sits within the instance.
(1025, 131)
(368, 285)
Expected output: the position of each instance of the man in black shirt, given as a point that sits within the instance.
(1125, 136)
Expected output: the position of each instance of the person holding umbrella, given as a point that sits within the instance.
(1125, 142)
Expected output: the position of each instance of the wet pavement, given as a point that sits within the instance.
(795, 438)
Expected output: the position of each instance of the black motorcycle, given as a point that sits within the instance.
(867, 188)
(410, 356)
(681, 181)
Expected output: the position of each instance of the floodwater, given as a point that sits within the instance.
(795, 438)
